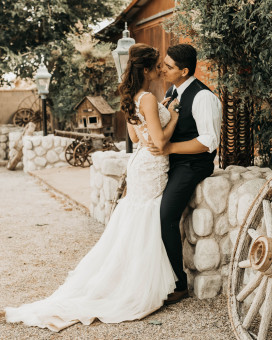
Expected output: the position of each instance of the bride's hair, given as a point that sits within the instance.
(140, 56)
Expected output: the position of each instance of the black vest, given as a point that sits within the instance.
(186, 126)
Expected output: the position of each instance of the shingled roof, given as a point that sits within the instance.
(99, 103)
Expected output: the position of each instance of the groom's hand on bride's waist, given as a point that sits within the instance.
(155, 151)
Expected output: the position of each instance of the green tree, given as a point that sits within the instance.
(59, 30)
(235, 37)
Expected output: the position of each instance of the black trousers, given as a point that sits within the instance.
(182, 181)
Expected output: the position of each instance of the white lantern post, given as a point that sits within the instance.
(43, 80)
(120, 56)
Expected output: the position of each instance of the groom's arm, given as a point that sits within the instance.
(189, 147)
(192, 146)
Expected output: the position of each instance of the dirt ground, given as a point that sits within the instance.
(43, 236)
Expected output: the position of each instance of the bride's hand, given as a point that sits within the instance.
(165, 101)
(174, 112)
(155, 151)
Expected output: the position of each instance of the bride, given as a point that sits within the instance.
(127, 274)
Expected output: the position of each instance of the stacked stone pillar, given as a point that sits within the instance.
(105, 174)
(5, 130)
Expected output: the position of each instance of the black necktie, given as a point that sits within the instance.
(173, 96)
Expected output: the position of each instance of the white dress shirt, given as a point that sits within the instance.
(207, 113)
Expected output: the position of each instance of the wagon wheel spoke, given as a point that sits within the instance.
(82, 154)
(244, 264)
(79, 155)
(38, 119)
(89, 156)
(23, 116)
(250, 287)
(267, 312)
(256, 304)
(253, 233)
(267, 217)
(69, 153)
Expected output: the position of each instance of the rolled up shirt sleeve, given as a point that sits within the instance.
(207, 113)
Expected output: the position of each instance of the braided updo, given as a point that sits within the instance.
(140, 56)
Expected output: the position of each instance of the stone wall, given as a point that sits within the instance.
(15, 142)
(209, 225)
(5, 129)
(105, 174)
(44, 152)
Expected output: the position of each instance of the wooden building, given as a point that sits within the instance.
(94, 115)
(145, 19)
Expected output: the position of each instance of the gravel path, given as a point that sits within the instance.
(42, 237)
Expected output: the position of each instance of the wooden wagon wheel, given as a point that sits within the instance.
(23, 116)
(69, 153)
(108, 144)
(30, 110)
(38, 120)
(83, 154)
(250, 280)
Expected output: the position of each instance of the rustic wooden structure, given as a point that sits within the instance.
(94, 115)
(79, 152)
(145, 22)
(250, 304)
(145, 18)
(28, 131)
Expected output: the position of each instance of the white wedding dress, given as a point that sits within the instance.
(127, 274)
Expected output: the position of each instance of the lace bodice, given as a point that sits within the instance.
(141, 129)
(147, 174)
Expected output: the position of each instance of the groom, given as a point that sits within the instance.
(191, 150)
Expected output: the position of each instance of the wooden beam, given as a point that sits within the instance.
(155, 16)
(267, 313)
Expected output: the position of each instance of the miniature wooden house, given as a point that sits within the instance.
(94, 115)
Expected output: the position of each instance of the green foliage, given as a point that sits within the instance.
(59, 30)
(235, 37)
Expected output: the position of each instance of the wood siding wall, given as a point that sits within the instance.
(152, 33)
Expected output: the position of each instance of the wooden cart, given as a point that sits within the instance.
(250, 280)
(79, 152)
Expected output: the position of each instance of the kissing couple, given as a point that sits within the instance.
(136, 266)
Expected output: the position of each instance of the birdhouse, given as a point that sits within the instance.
(94, 115)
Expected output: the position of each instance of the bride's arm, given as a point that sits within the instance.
(159, 136)
(132, 133)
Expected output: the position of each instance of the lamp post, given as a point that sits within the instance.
(120, 56)
(43, 80)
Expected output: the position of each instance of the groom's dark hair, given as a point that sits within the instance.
(184, 56)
